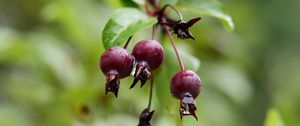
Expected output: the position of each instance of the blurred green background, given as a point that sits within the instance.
(49, 73)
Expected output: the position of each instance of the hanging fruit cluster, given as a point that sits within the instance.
(148, 55)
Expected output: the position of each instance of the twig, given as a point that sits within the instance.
(151, 93)
(174, 47)
(128, 40)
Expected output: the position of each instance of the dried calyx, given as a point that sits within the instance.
(146, 117)
(188, 106)
(181, 28)
(112, 83)
(142, 73)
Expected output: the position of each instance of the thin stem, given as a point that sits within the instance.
(151, 93)
(154, 29)
(174, 46)
(147, 8)
(128, 40)
(171, 6)
(154, 3)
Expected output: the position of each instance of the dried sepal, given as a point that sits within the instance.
(188, 106)
(112, 83)
(146, 117)
(181, 28)
(142, 73)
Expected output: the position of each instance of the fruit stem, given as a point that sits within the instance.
(147, 8)
(154, 29)
(174, 46)
(151, 93)
(171, 6)
(154, 3)
(127, 42)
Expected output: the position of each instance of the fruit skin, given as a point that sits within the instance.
(118, 59)
(149, 51)
(115, 63)
(185, 81)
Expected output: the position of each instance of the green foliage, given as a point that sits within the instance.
(140, 2)
(209, 8)
(50, 51)
(123, 24)
(273, 118)
(164, 2)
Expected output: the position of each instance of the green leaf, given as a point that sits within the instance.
(10, 115)
(273, 118)
(209, 8)
(139, 2)
(129, 3)
(161, 2)
(123, 24)
(164, 2)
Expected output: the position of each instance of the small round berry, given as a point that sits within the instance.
(185, 81)
(186, 86)
(118, 59)
(149, 55)
(115, 63)
(149, 51)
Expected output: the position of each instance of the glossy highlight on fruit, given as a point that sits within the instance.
(149, 55)
(116, 64)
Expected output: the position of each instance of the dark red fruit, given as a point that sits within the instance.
(149, 51)
(185, 81)
(115, 63)
(149, 55)
(186, 86)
